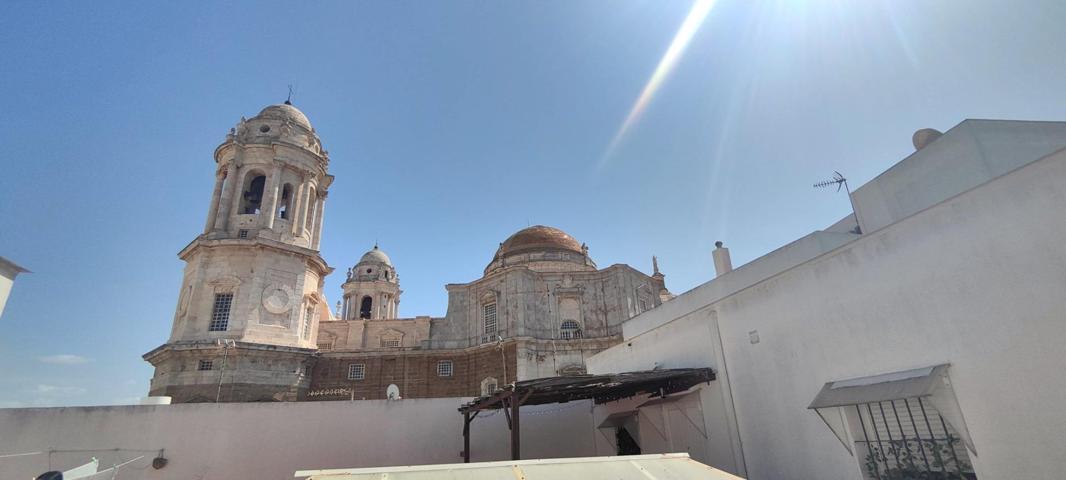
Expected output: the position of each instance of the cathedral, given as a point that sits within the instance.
(252, 322)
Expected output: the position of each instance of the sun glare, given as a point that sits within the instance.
(684, 35)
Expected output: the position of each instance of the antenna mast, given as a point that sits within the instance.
(840, 181)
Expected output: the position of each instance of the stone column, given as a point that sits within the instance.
(297, 212)
(272, 196)
(319, 215)
(226, 199)
(212, 211)
(308, 223)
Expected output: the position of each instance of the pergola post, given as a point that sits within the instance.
(466, 437)
(516, 453)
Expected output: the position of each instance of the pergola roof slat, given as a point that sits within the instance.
(599, 388)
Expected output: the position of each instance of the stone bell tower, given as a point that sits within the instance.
(371, 289)
(251, 296)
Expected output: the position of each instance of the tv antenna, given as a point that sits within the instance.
(842, 182)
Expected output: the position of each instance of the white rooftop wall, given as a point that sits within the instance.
(975, 282)
(777, 261)
(971, 153)
(273, 440)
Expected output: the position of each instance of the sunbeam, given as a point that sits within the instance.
(684, 35)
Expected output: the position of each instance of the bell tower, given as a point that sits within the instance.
(371, 289)
(251, 295)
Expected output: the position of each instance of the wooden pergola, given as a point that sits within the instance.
(600, 388)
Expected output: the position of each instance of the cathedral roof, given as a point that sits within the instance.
(539, 238)
(285, 111)
(375, 255)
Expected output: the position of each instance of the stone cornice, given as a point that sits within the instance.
(312, 256)
(201, 345)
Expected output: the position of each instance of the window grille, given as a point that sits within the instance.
(907, 438)
(220, 312)
(569, 330)
(488, 386)
(242, 233)
(325, 346)
(309, 315)
(390, 342)
(444, 368)
(356, 371)
(489, 317)
(205, 365)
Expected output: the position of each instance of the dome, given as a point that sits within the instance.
(375, 255)
(539, 238)
(285, 111)
(542, 248)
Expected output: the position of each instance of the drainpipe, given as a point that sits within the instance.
(226, 345)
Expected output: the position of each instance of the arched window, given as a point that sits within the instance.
(489, 386)
(569, 329)
(284, 205)
(366, 306)
(252, 198)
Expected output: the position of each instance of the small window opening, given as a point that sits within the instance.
(365, 307)
(356, 371)
(488, 315)
(252, 199)
(444, 368)
(569, 330)
(220, 312)
(242, 233)
(205, 365)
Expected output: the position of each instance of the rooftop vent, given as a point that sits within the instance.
(924, 137)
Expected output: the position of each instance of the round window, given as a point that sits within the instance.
(264, 128)
(368, 270)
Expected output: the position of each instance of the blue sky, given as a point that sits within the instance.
(450, 126)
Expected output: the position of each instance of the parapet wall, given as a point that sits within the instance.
(273, 440)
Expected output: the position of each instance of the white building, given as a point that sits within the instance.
(8, 271)
(960, 266)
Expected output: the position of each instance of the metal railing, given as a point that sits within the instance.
(907, 439)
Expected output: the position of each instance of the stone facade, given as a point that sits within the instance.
(252, 322)
(251, 296)
(542, 300)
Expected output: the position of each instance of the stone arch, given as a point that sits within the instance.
(252, 190)
(366, 306)
(285, 202)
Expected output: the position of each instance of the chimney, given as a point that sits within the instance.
(722, 263)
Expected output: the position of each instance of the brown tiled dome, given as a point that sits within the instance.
(539, 238)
